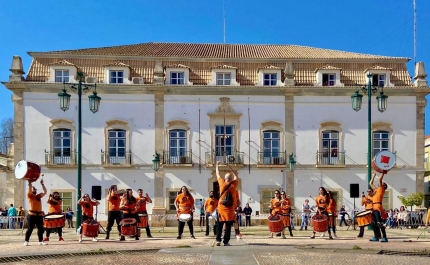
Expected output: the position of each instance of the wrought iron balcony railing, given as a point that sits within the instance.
(272, 158)
(60, 158)
(177, 157)
(330, 158)
(116, 158)
(225, 157)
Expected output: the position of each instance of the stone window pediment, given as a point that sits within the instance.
(226, 73)
(381, 76)
(328, 76)
(117, 73)
(270, 75)
(64, 67)
(178, 74)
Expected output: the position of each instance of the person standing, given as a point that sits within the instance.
(275, 206)
(69, 217)
(332, 214)
(342, 216)
(306, 210)
(114, 213)
(35, 214)
(202, 216)
(367, 202)
(128, 207)
(87, 212)
(285, 211)
(184, 204)
(11, 213)
(247, 211)
(209, 207)
(378, 210)
(21, 214)
(141, 208)
(226, 205)
(321, 202)
(54, 207)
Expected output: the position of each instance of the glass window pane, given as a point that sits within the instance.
(120, 74)
(385, 144)
(66, 142)
(173, 75)
(121, 133)
(182, 143)
(376, 144)
(334, 135)
(173, 143)
(121, 143)
(275, 143)
(112, 74)
(112, 143)
(229, 130)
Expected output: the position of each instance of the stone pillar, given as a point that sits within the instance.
(289, 142)
(420, 142)
(158, 73)
(159, 207)
(289, 74)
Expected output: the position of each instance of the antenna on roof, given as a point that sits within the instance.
(223, 15)
(415, 32)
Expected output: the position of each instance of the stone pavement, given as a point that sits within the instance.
(254, 248)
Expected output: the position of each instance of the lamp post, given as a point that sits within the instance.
(156, 162)
(357, 100)
(94, 101)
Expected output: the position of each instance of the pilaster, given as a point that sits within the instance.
(420, 142)
(289, 142)
(15, 187)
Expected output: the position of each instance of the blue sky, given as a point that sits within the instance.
(383, 27)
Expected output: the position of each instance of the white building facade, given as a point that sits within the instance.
(195, 104)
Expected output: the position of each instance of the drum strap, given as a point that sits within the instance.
(377, 202)
(36, 212)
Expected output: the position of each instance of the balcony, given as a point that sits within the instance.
(330, 159)
(178, 158)
(58, 158)
(271, 159)
(235, 158)
(116, 159)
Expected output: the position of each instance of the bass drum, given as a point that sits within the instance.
(27, 171)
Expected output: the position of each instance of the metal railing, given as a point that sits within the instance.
(330, 158)
(118, 158)
(213, 157)
(272, 158)
(177, 157)
(60, 158)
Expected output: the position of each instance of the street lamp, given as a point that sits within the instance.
(357, 100)
(156, 162)
(94, 101)
(292, 163)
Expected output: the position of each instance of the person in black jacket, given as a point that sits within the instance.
(247, 211)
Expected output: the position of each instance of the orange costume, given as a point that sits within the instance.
(275, 206)
(226, 213)
(377, 201)
(35, 204)
(141, 206)
(367, 202)
(114, 202)
(54, 206)
(130, 206)
(331, 210)
(87, 208)
(186, 204)
(285, 210)
(321, 202)
(210, 205)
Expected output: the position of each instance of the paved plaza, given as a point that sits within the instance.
(254, 248)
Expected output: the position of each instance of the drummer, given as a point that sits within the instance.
(87, 212)
(285, 211)
(184, 204)
(378, 210)
(141, 208)
(128, 207)
(209, 207)
(35, 213)
(367, 202)
(322, 202)
(332, 214)
(54, 207)
(275, 207)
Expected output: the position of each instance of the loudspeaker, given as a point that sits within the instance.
(96, 192)
(354, 190)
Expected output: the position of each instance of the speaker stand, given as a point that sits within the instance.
(353, 219)
(101, 228)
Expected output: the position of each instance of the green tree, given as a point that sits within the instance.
(413, 199)
(6, 134)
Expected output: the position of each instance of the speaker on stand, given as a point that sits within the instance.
(96, 193)
(354, 192)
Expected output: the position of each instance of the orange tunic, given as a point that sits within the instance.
(141, 207)
(54, 206)
(275, 206)
(211, 204)
(285, 211)
(226, 213)
(321, 202)
(114, 202)
(186, 203)
(377, 199)
(331, 208)
(129, 207)
(35, 204)
(367, 203)
(87, 207)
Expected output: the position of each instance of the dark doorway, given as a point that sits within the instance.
(216, 189)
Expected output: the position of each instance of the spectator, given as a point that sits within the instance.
(202, 216)
(306, 210)
(11, 213)
(402, 217)
(69, 217)
(342, 215)
(247, 211)
(21, 214)
(238, 211)
(2, 218)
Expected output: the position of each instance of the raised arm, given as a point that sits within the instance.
(110, 192)
(44, 189)
(372, 180)
(30, 187)
(147, 197)
(232, 172)
(96, 202)
(380, 179)
(217, 169)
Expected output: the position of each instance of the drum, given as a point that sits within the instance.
(27, 171)
(364, 218)
(143, 220)
(128, 227)
(90, 228)
(214, 215)
(275, 223)
(54, 221)
(320, 223)
(184, 217)
(383, 161)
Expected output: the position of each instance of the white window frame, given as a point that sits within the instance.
(321, 72)
(224, 78)
(230, 71)
(380, 140)
(116, 77)
(62, 158)
(329, 79)
(184, 70)
(125, 78)
(262, 72)
(53, 71)
(60, 73)
(386, 73)
(117, 125)
(57, 124)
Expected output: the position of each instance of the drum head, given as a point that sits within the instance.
(142, 214)
(21, 169)
(128, 221)
(54, 216)
(363, 213)
(184, 216)
(385, 160)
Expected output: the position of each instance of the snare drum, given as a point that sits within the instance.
(90, 228)
(143, 220)
(383, 161)
(320, 223)
(128, 227)
(364, 218)
(276, 223)
(185, 217)
(27, 171)
(54, 221)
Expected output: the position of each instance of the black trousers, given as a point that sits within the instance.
(202, 219)
(378, 225)
(248, 220)
(113, 216)
(228, 225)
(34, 220)
(58, 229)
(208, 224)
(181, 226)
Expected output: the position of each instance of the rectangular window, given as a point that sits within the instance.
(117, 146)
(266, 196)
(176, 78)
(172, 198)
(178, 146)
(329, 79)
(378, 80)
(380, 141)
(330, 142)
(270, 79)
(271, 145)
(62, 146)
(224, 137)
(116, 77)
(62, 76)
(67, 200)
(223, 79)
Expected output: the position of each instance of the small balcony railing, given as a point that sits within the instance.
(116, 158)
(177, 157)
(330, 158)
(272, 158)
(60, 158)
(224, 157)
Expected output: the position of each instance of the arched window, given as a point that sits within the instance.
(178, 139)
(117, 143)
(62, 135)
(330, 145)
